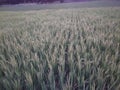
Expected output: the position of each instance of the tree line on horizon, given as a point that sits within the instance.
(28, 1)
(35, 1)
(2, 2)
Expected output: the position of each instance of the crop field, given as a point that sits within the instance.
(60, 49)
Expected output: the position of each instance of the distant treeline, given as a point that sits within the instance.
(35, 1)
(27, 1)
(43, 1)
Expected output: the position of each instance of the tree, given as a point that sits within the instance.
(61, 1)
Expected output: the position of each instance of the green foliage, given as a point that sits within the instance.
(66, 49)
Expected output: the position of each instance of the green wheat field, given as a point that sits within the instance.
(60, 49)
